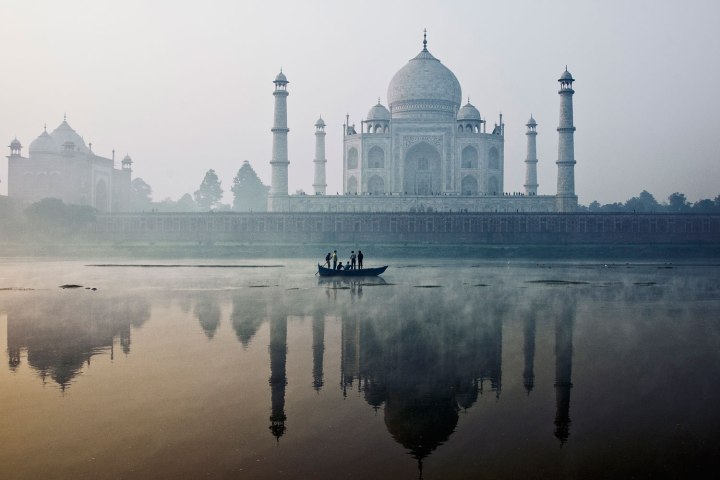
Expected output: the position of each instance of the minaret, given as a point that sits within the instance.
(279, 162)
(319, 184)
(566, 200)
(531, 161)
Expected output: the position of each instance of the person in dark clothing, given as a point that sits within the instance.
(327, 259)
(339, 266)
(359, 258)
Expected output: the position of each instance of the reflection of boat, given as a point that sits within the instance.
(359, 272)
(351, 282)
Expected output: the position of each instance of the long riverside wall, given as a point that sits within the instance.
(428, 228)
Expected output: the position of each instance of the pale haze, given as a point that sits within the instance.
(183, 86)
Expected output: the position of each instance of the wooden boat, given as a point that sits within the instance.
(358, 272)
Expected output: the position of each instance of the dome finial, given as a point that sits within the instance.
(425, 39)
(378, 100)
(64, 117)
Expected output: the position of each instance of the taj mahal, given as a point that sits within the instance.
(424, 153)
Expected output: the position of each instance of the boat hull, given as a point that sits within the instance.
(360, 272)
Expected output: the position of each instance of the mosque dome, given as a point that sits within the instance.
(43, 144)
(531, 122)
(64, 133)
(565, 75)
(424, 88)
(378, 112)
(320, 123)
(15, 144)
(127, 159)
(469, 112)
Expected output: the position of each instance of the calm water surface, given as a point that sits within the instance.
(439, 369)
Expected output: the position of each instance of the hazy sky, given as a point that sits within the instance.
(186, 86)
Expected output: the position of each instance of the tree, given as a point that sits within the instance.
(186, 204)
(643, 203)
(677, 202)
(594, 206)
(140, 194)
(705, 206)
(210, 192)
(52, 216)
(248, 191)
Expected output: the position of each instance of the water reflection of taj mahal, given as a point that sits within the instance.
(417, 368)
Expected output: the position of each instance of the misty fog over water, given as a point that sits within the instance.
(256, 368)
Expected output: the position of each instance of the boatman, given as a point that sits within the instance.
(327, 259)
(360, 257)
(352, 260)
(334, 259)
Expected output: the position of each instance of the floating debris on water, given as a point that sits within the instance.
(70, 285)
(644, 284)
(481, 285)
(178, 265)
(17, 289)
(558, 282)
(427, 286)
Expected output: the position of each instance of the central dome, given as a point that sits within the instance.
(424, 89)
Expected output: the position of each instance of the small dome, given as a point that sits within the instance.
(281, 78)
(127, 159)
(320, 123)
(469, 112)
(379, 112)
(15, 144)
(531, 122)
(566, 76)
(43, 144)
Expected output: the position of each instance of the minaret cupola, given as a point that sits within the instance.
(127, 163)
(15, 147)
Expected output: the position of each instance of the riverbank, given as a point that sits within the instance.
(229, 250)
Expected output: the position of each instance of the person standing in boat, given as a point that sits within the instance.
(334, 259)
(327, 259)
(352, 260)
(359, 259)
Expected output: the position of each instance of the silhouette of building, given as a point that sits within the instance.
(60, 165)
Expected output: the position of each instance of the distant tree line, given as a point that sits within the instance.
(645, 203)
(249, 195)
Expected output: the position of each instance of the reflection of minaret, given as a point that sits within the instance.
(529, 351)
(318, 336)
(278, 378)
(349, 361)
(563, 372)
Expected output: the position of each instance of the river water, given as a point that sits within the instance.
(442, 369)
